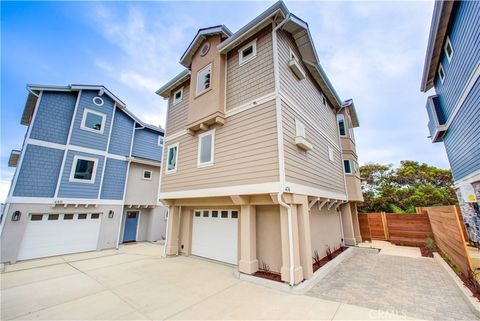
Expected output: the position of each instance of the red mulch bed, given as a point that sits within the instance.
(324, 260)
(471, 286)
(269, 275)
(425, 251)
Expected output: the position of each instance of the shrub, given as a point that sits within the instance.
(316, 258)
(430, 244)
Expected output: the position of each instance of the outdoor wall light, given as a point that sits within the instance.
(110, 214)
(16, 216)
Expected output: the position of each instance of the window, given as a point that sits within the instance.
(172, 158)
(83, 169)
(53, 217)
(95, 216)
(324, 101)
(147, 175)
(341, 125)
(350, 130)
(160, 140)
(448, 49)
(441, 73)
(206, 148)
(82, 216)
(177, 96)
(214, 213)
(36, 217)
(224, 214)
(197, 213)
(205, 213)
(234, 214)
(248, 52)
(68, 216)
(347, 166)
(300, 128)
(204, 79)
(98, 101)
(356, 170)
(293, 56)
(93, 121)
(330, 153)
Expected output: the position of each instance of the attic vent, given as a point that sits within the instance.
(98, 101)
(205, 49)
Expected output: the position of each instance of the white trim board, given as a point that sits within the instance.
(311, 191)
(263, 188)
(471, 178)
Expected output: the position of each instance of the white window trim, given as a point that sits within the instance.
(342, 116)
(212, 151)
(331, 156)
(253, 55)
(299, 123)
(74, 166)
(351, 168)
(442, 79)
(198, 93)
(101, 101)
(167, 171)
(292, 55)
(84, 119)
(146, 178)
(175, 101)
(448, 43)
(160, 140)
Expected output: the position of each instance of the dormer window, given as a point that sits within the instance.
(448, 49)
(248, 52)
(204, 79)
(177, 96)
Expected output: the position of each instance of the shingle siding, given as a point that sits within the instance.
(80, 190)
(86, 138)
(462, 141)
(122, 132)
(145, 144)
(53, 118)
(39, 172)
(114, 179)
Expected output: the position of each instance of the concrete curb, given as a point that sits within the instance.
(467, 295)
(306, 285)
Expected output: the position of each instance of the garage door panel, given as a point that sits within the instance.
(55, 237)
(215, 237)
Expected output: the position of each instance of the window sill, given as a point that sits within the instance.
(294, 65)
(203, 92)
(303, 143)
(205, 165)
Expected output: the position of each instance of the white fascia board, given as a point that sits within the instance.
(250, 189)
(311, 191)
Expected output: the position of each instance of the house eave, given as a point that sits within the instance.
(166, 89)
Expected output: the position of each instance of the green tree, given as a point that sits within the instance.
(402, 189)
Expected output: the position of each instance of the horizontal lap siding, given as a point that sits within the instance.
(465, 38)
(39, 172)
(86, 138)
(53, 118)
(312, 168)
(80, 190)
(304, 93)
(462, 141)
(245, 153)
(122, 132)
(145, 145)
(252, 79)
(114, 179)
(177, 115)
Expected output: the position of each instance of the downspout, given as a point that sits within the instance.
(281, 158)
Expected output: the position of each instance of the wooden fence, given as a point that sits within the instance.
(443, 223)
(401, 229)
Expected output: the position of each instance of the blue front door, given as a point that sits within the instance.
(131, 221)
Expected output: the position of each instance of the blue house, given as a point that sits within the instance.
(87, 176)
(452, 68)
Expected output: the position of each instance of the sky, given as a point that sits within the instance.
(372, 52)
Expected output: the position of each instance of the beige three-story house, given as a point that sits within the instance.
(255, 169)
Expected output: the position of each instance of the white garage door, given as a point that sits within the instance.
(214, 235)
(56, 234)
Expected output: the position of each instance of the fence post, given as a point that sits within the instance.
(385, 226)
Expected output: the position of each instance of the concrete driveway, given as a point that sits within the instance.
(135, 283)
(398, 280)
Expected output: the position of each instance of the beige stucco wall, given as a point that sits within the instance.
(245, 153)
(252, 79)
(141, 191)
(325, 230)
(177, 114)
(269, 245)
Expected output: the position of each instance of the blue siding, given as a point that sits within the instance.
(145, 144)
(462, 141)
(121, 134)
(38, 174)
(89, 139)
(114, 179)
(54, 116)
(80, 190)
(464, 35)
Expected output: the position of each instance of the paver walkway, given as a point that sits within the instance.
(415, 287)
